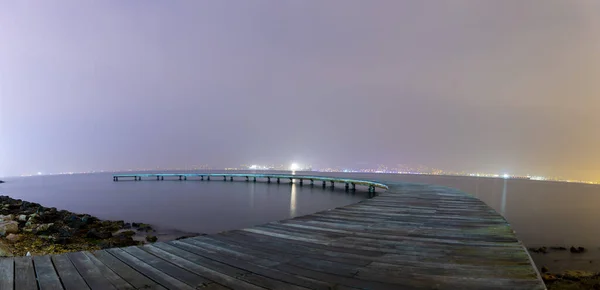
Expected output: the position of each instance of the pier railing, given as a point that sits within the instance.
(349, 184)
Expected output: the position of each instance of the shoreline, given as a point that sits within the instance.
(30, 228)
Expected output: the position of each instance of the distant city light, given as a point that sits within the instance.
(506, 175)
(294, 167)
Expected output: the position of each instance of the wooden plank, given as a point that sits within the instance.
(236, 270)
(24, 274)
(202, 261)
(46, 274)
(107, 273)
(277, 278)
(215, 276)
(231, 251)
(172, 270)
(71, 279)
(276, 249)
(7, 273)
(149, 271)
(90, 273)
(128, 274)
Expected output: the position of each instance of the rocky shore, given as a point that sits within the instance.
(27, 227)
(572, 280)
(567, 279)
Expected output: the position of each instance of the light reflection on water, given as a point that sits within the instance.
(293, 201)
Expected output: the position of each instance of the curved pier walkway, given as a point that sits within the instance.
(410, 237)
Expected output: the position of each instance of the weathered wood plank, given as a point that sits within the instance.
(46, 274)
(90, 273)
(215, 276)
(276, 278)
(24, 274)
(172, 270)
(71, 279)
(149, 271)
(129, 274)
(107, 273)
(7, 273)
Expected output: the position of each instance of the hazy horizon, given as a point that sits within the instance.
(491, 86)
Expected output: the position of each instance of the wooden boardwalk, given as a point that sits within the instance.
(410, 237)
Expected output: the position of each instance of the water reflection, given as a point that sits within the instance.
(293, 201)
(503, 204)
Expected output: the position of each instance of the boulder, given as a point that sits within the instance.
(123, 239)
(22, 218)
(144, 228)
(6, 218)
(542, 250)
(16, 204)
(44, 227)
(151, 239)
(549, 277)
(10, 227)
(13, 238)
(577, 250)
(5, 250)
(95, 234)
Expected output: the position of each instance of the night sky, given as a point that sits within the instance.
(500, 86)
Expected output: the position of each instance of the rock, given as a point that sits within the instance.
(17, 204)
(5, 250)
(95, 234)
(576, 275)
(151, 239)
(127, 226)
(122, 239)
(549, 277)
(558, 248)
(13, 238)
(6, 228)
(112, 226)
(6, 218)
(577, 250)
(22, 218)
(65, 231)
(144, 228)
(44, 227)
(542, 250)
(544, 269)
(596, 286)
(127, 233)
(75, 222)
(135, 225)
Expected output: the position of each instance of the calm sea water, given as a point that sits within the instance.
(190, 206)
(541, 213)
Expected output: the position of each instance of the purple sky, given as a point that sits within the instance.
(505, 86)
